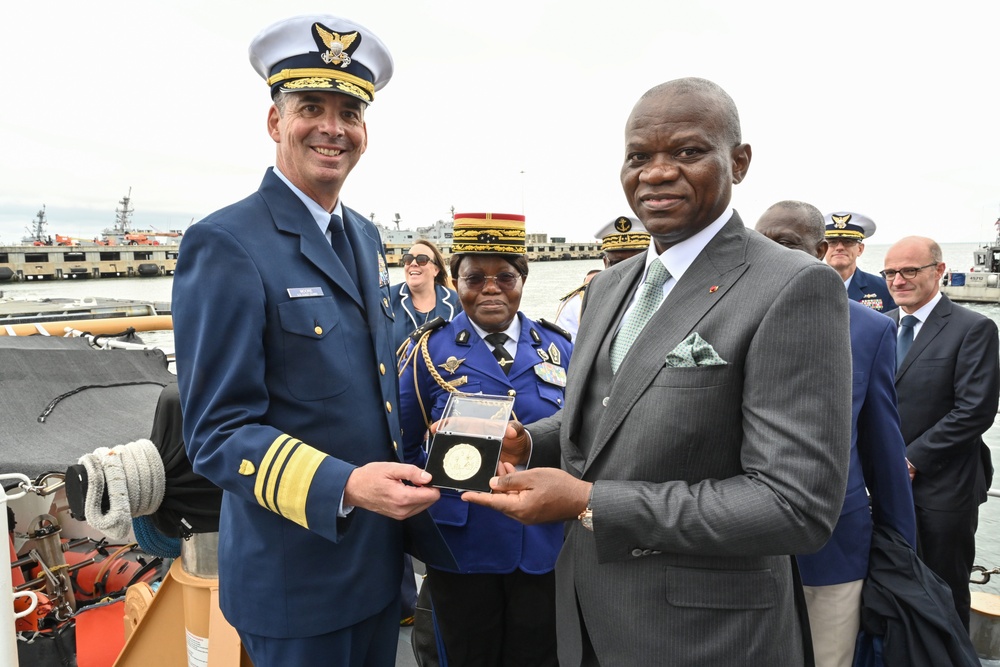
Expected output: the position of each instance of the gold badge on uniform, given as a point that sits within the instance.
(451, 364)
(247, 468)
(554, 353)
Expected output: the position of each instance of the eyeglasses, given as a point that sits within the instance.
(505, 281)
(908, 273)
(421, 260)
(846, 242)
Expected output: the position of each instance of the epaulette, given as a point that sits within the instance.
(436, 323)
(581, 288)
(555, 327)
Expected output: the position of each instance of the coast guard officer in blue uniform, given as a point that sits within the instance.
(846, 233)
(833, 577)
(498, 606)
(285, 365)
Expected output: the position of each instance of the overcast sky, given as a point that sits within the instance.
(886, 108)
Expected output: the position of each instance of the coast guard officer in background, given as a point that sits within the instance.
(846, 233)
(285, 365)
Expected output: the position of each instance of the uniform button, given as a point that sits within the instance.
(559, 401)
(636, 552)
(394, 445)
(319, 331)
(605, 401)
(381, 369)
(385, 302)
(511, 392)
(388, 406)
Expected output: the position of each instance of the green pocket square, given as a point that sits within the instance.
(694, 351)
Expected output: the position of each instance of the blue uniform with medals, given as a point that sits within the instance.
(483, 540)
(870, 290)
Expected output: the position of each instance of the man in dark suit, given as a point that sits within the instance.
(285, 364)
(704, 441)
(846, 233)
(948, 382)
(833, 576)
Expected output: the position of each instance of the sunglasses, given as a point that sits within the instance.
(421, 260)
(505, 281)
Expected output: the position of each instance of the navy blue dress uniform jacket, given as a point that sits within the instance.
(286, 373)
(483, 540)
(878, 459)
(870, 290)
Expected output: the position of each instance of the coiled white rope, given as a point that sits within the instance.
(135, 479)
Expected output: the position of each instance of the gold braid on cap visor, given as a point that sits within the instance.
(322, 73)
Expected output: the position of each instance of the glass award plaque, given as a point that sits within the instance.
(466, 447)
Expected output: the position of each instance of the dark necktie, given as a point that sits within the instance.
(342, 247)
(499, 351)
(905, 339)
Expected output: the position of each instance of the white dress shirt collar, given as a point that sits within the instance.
(921, 313)
(321, 215)
(679, 257)
(513, 334)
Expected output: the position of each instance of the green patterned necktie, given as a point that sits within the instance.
(650, 297)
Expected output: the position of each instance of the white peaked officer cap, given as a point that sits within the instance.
(848, 225)
(320, 52)
(623, 233)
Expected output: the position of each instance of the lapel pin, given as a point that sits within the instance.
(713, 289)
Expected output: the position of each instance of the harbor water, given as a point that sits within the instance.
(546, 283)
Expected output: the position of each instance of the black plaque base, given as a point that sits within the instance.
(463, 462)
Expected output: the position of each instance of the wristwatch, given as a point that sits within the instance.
(587, 516)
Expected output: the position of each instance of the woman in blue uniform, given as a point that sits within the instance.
(498, 609)
(426, 292)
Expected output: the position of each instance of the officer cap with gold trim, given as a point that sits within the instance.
(492, 233)
(848, 225)
(321, 52)
(623, 233)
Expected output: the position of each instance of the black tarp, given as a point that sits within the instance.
(109, 398)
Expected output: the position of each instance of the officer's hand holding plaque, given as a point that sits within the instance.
(466, 447)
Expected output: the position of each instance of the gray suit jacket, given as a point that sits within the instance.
(705, 477)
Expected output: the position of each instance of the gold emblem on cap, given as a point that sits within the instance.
(840, 221)
(623, 224)
(337, 45)
(451, 364)
(554, 353)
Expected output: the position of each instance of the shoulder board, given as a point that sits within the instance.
(555, 327)
(436, 323)
(576, 291)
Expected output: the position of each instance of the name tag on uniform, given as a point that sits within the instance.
(300, 292)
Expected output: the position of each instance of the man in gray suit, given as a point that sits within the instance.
(703, 441)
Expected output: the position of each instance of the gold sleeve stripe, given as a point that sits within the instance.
(264, 471)
(284, 478)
